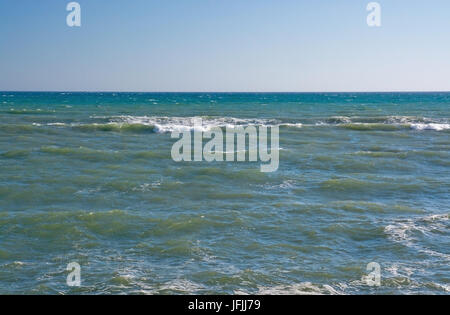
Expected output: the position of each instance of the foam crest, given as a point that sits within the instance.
(413, 232)
(304, 288)
(196, 123)
(430, 126)
(386, 123)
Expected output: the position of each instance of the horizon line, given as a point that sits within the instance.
(217, 92)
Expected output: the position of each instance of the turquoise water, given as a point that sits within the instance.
(88, 178)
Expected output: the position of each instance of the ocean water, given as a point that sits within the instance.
(88, 178)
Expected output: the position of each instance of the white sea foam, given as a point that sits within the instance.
(56, 124)
(413, 122)
(181, 285)
(430, 126)
(147, 186)
(400, 270)
(405, 232)
(297, 125)
(415, 234)
(163, 124)
(180, 124)
(339, 120)
(304, 288)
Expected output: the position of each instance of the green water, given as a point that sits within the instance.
(89, 178)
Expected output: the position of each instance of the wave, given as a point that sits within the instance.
(38, 111)
(13, 154)
(386, 123)
(353, 185)
(430, 126)
(403, 154)
(82, 153)
(373, 126)
(419, 234)
(198, 123)
(180, 286)
(118, 127)
(17, 129)
(304, 288)
(372, 207)
(144, 124)
(175, 124)
(164, 124)
(414, 232)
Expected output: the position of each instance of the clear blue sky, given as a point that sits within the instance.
(225, 45)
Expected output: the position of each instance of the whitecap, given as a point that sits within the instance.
(430, 126)
(196, 123)
(182, 285)
(56, 124)
(297, 125)
(403, 231)
(304, 288)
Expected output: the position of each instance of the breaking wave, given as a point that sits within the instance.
(387, 123)
(431, 126)
(169, 124)
(162, 124)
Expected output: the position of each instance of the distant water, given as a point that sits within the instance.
(88, 178)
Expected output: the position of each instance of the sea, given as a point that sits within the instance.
(88, 178)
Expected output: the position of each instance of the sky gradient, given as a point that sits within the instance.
(217, 45)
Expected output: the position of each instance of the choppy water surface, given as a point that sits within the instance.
(88, 177)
